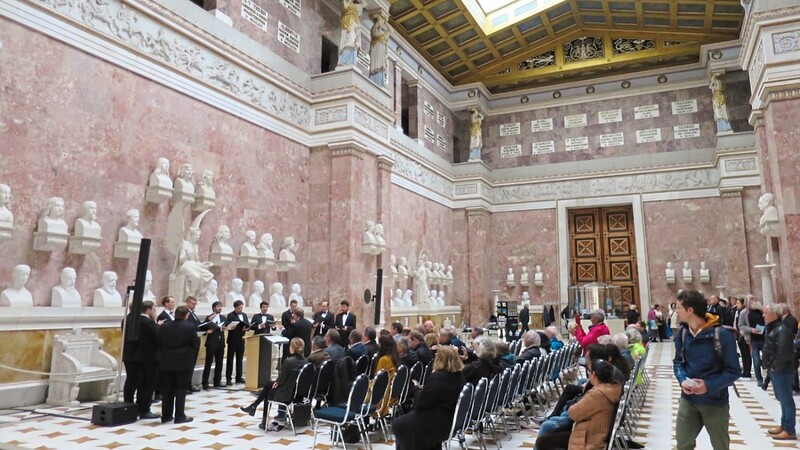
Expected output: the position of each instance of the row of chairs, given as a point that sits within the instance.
(630, 406)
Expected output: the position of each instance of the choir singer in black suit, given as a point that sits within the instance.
(215, 345)
(262, 323)
(146, 360)
(301, 328)
(236, 341)
(323, 319)
(345, 322)
(179, 346)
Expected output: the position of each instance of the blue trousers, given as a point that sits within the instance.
(782, 386)
(755, 348)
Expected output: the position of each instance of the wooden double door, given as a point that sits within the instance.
(603, 248)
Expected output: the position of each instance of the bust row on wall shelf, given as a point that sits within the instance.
(402, 299)
(276, 298)
(524, 277)
(161, 188)
(372, 241)
(687, 275)
(437, 274)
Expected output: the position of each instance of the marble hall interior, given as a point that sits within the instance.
(459, 159)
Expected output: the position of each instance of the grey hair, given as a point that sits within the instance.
(318, 342)
(604, 339)
(404, 342)
(620, 340)
(485, 348)
(532, 338)
(600, 314)
(756, 305)
(634, 337)
(775, 308)
(785, 308)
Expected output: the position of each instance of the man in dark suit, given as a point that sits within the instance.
(236, 341)
(356, 348)
(146, 360)
(332, 346)
(128, 350)
(424, 354)
(191, 304)
(345, 322)
(215, 346)
(262, 323)
(525, 318)
(369, 341)
(323, 320)
(301, 328)
(287, 323)
(791, 323)
(179, 345)
(168, 314)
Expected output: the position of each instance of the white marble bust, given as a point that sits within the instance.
(65, 294)
(431, 300)
(6, 216)
(407, 298)
(221, 250)
(107, 295)
(248, 247)
(148, 287)
(52, 221)
(130, 232)
(183, 190)
(402, 268)
(368, 236)
(235, 293)
(449, 275)
(265, 247)
(440, 299)
(378, 233)
(159, 187)
(210, 295)
(17, 294)
(205, 197)
(397, 299)
(523, 277)
(393, 265)
(705, 274)
(277, 300)
(86, 226)
(526, 298)
(687, 271)
(768, 224)
(670, 273)
(510, 277)
(295, 295)
(538, 276)
(287, 250)
(255, 298)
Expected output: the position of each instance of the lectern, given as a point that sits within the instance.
(260, 351)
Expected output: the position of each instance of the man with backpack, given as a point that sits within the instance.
(705, 364)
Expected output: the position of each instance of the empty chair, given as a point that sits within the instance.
(323, 383)
(338, 416)
(461, 416)
(362, 364)
(416, 371)
(477, 410)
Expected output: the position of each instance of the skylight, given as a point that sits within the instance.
(495, 15)
(490, 6)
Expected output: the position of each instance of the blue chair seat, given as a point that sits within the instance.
(334, 414)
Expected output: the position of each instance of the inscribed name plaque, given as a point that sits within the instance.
(686, 131)
(440, 119)
(428, 110)
(612, 139)
(509, 129)
(575, 121)
(684, 107)
(292, 5)
(429, 134)
(441, 142)
(578, 143)
(540, 148)
(541, 125)
(645, 112)
(254, 14)
(510, 151)
(288, 37)
(363, 59)
(610, 116)
(648, 135)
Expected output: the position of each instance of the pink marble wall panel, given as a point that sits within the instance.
(446, 132)
(695, 230)
(525, 238)
(479, 229)
(492, 141)
(82, 129)
(319, 218)
(460, 261)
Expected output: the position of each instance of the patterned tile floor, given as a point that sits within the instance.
(219, 423)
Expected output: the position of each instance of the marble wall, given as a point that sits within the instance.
(427, 103)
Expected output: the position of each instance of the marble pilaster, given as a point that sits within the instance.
(384, 216)
(479, 307)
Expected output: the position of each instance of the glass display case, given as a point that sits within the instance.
(585, 298)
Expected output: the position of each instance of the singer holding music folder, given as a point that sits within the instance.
(262, 323)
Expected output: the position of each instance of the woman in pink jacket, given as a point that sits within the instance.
(597, 329)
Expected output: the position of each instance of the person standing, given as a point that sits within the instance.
(756, 320)
(633, 315)
(301, 328)
(778, 359)
(673, 322)
(705, 365)
(742, 324)
(146, 360)
(179, 345)
(323, 320)
(215, 346)
(168, 314)
(345, 322)
(791, 323)
(262, 322)
(524, 318)
(191, 304)
(236, 341)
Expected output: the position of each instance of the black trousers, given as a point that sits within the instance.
(570, 392)
(747, 359)
(129, 390)
(236, 351)
(214, 355)
(147, 377)
(174, 384)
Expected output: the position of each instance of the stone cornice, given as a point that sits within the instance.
(477, 211)
(755, 20)
(385, 163)
(348, 148)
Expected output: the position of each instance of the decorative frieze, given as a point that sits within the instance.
(330, 115)
(786, 42)
(371, 122)
(421, 175)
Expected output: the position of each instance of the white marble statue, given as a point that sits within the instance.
(718, 101)
(705, 274)
(421, 289)
(475, 135)
(266, 257)
(148, 287)
(449, 275)
(510, 281)
(86, 238)
(538, 276)
(369, 244)
(768, 224)
(52, 232)
(277, 300)
(129, 238)
(107, 295)
(670, 273)
(183, 190)
(397, 299)
(431, 300)
(524, 281)
(687, 272)
(440, 299)
(350, 32)
(6, 216)
(221, 250)
(407, 301)
(235, 293)
(380, 242)
(296, 295)
(159, 188)
(205, 197)
(402, 268)
(248, 251)
(393, 266)
(189, 276)
(448, 322)
(379, 35)
(210, 295)
(17, 294)
(65, 295)
(286, 258)
(526, 298)
(255, 298)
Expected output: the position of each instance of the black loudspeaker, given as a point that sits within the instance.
(378, 296)
(114, 414)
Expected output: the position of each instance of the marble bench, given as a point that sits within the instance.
(80, 369)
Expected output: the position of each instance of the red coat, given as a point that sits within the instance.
(587, 339)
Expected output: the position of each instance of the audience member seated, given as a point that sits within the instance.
(544, 342)
(388, 360)
(484, 364)
(635, 342)
(434, 405)
(318, 354)
(356, 349)
(332, 346)
(475, 333)
(447, 336)
(641, 327)
(555, 338)
(531, 341)
(424, 354)
(369, 341)
(282, 389)
(594, 413)
(407, 356)
(621, 341)
(396, 331)
(504, 356)
(597, 329)
(432, 341)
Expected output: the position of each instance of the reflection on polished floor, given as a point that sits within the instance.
(219, 423)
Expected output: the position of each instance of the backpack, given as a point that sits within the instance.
(717, 344)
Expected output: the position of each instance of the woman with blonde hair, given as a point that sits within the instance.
(434, 405)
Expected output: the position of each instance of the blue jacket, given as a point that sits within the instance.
(697, 358)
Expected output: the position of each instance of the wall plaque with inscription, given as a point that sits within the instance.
(510, 151)
(648, 135)
(577, 143)
(684, 107)
(429, 134)
(509, 129)
(288, 37)
(645, 112)
(612, 139)
(575, 121)
(540, 148)
(541, 125)
(610, 116)
(441, 142)
(686, 131)
(428, 110)
(363, 59)
(440, 119)
(254, 14)
(292, 5)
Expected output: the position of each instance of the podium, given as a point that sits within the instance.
(262, 351)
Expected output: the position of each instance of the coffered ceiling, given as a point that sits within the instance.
(521, 44)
